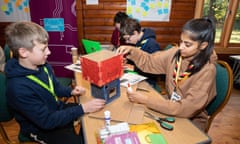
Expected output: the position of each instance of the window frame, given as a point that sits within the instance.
(223, 46)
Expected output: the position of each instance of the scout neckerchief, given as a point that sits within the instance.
(177, 77)
(143, 42)
(49, 87)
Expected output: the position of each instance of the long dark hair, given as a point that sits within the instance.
(202, 30)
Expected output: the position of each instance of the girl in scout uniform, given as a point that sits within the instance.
(190, 72)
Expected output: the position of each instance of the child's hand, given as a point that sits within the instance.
(78, 90)
(136, 97)
(111, 47)
(93, 105)
(125, 50)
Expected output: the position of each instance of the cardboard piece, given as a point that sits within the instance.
(131, 113)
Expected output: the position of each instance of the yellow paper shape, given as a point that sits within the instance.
(129, 10)
(166, 5)
(144, 13)
(159, 4)
(144, 130)
(4, 8)
(152, 5)
(151, 126)
(138, 10)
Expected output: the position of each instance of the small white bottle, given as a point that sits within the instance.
(129, 88)
(107, 117)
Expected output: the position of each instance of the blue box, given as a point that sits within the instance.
(109, 91)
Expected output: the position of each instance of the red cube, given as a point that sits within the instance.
(101, 67)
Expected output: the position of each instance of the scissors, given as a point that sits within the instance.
(162, 121)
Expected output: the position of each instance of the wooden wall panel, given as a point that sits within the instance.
(96, 22)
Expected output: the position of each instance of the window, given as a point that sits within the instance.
(227, 16)
(218, 10)
(235, 36)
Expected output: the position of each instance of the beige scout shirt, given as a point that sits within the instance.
(196, 91)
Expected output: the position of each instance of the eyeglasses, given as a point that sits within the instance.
(127, 37)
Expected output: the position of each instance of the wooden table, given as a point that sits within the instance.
(184, 131)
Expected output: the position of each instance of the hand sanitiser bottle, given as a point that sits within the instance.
(129, 88)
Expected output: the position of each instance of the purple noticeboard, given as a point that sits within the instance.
(61, 41)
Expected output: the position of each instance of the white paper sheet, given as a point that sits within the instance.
(131, 78)
(75, 67)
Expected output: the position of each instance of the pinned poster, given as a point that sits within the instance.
(149, 10)
(14, 10)
(92, 2)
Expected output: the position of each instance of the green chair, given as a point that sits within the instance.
(7, 52)
(5, 113)
(65, 81)
(224, 84)
(170, 46)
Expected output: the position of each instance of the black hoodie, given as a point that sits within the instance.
(35, 108)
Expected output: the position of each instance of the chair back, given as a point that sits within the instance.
(170, 46)
(224, 83)
(7, 52)
(5, 113)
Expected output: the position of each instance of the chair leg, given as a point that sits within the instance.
(4, 135)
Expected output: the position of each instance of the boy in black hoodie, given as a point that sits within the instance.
(33, 90)
(144, 39)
